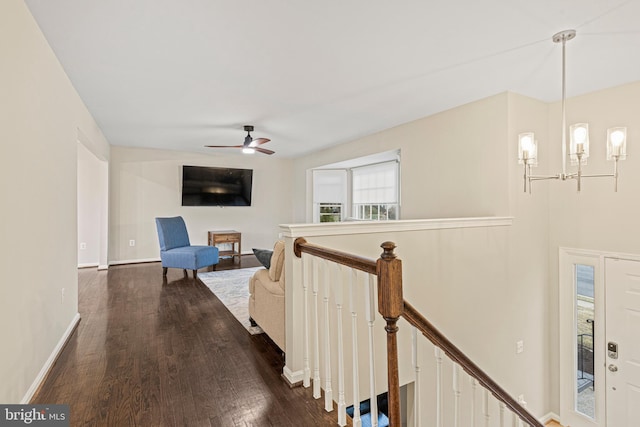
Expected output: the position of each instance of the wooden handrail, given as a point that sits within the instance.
(439, 340)
(367, 265)
(392, 306)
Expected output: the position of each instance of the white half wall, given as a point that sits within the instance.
(486, 289)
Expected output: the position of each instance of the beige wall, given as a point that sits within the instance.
(145, 184)
(597, 218)
(486, 288)
(453, 156)
(41, 116)
(519, 299)
(90, 176)
(457, 163)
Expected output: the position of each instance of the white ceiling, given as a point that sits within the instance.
(309, 74)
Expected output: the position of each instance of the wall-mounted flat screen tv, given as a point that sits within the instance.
(209, 186)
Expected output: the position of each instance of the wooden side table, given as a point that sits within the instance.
(227, 236)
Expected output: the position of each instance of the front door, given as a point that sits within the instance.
(622, 282)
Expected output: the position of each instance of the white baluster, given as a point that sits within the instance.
(439, 402)
(370, 308)
(515, 420)
(502, 407)
(457, 391)
(417, 416)
(316, 332)
(353, 297)
(328, 391)
(338, 292)
(474, 386)
(524, 405)
(485, 407)
(307, 262)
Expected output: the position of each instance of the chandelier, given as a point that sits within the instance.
(578, 141)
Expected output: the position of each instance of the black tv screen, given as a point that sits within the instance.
(208, 186)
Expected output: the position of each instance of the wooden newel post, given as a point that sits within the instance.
(391, 306)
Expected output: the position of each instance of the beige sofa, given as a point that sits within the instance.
(266, 299)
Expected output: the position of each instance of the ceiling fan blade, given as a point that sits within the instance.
(258, 141)
(263, 150)
(224, 146)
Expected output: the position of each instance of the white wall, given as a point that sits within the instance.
(40, 118)
(145, 184)
(89, 207)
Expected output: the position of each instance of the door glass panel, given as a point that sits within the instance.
(585, 318)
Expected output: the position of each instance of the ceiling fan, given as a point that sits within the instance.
(250, 144)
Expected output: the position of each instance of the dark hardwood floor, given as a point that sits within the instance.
(149, 352)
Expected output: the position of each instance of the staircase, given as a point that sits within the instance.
(342, 289)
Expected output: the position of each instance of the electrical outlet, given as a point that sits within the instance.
(132, 242)
(519, 347)
(83, 246)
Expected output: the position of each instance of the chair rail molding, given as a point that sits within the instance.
(366, 227)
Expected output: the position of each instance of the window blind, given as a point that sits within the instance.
(329, 186)
(375, 184)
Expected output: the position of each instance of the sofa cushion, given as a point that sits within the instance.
(264, 256)
(277, 261)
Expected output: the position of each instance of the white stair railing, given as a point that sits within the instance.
(340, 289)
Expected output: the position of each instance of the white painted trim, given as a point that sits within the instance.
(551, 416)
(103, 267)
(51, 360)
(601, 254)
(293, 377)
(134, 261)
(142, 260)
(88, 265)
(367, 227)
(567, 258)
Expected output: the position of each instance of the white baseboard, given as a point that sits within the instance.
(87, 265)
(103, 267)
(51, 360)
(139, 261)
(134, 261)
(551, 416)
(294, 378)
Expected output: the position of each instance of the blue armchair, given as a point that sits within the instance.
(176, 250)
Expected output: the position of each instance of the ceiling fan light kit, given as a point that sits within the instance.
(250, 145)
(578, 140)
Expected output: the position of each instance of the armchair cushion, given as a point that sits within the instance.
(172, 233)
(189, 257)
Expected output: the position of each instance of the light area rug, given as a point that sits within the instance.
(232, 289)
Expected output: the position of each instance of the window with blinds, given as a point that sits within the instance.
(329, 195)
(375, 191)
